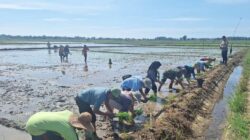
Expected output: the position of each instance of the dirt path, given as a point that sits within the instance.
(187, 116)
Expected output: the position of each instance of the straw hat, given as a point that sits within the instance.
(147, 83)
(83, 121)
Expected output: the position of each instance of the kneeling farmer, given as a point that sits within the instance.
(58, 125)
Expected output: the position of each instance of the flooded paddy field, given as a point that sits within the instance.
(36, 80)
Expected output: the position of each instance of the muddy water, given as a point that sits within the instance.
(44, 45)
(36, 80)
(12, 134)
(220, 110)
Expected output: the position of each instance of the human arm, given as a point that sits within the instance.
(97, 111)
(143, 94)
(97, 108)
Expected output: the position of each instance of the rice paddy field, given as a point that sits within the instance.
(33, 80)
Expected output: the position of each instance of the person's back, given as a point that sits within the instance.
(58, 122)
(133, 83)
(66, 49)
(172, 73)
(93, 96)
(189, 71)
(61, 50)
(84, 50)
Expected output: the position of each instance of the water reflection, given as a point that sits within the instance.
(63, 72)
(110, 66)
(85, 68)
(110, 63)
(49, 51)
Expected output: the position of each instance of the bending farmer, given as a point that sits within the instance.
(172, 74)
(153, 75)
(96, 96)
(136, 84)
(58, 125)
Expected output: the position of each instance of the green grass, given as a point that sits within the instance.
(152, 98)
(138, 112)
(136, 42)
(238, 102)
(239, 126)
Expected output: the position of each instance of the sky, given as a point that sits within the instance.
(126, 18)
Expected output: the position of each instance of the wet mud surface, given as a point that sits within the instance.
(36, 80)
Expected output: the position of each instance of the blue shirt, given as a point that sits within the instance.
(201, 65)
(94, 96)
(133, 83)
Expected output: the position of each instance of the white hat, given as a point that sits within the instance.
(147, 83)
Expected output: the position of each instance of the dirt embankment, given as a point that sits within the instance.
(187, 116)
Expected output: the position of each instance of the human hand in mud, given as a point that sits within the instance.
(110, 114)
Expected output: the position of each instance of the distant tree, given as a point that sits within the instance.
(161, 38)
(184, 37)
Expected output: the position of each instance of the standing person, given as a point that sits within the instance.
(61, 53)
(224, 49)
(66, 52)
(134, 83)
(48, 45)
(153, 75)
(58, 125)
(172, 74)
(84, 53)
(96, 96)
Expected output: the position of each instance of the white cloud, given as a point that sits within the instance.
(184, 19)
(58, 19)
(19, 6)
(86, 8)
(228, 1)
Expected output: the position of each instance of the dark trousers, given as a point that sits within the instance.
(154, 88)
(224, 56)
(85, 107)
(48, 136)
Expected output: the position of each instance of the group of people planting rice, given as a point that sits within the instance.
(65, 125)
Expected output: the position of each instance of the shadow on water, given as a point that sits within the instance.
(220, 110)
(85, 68)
